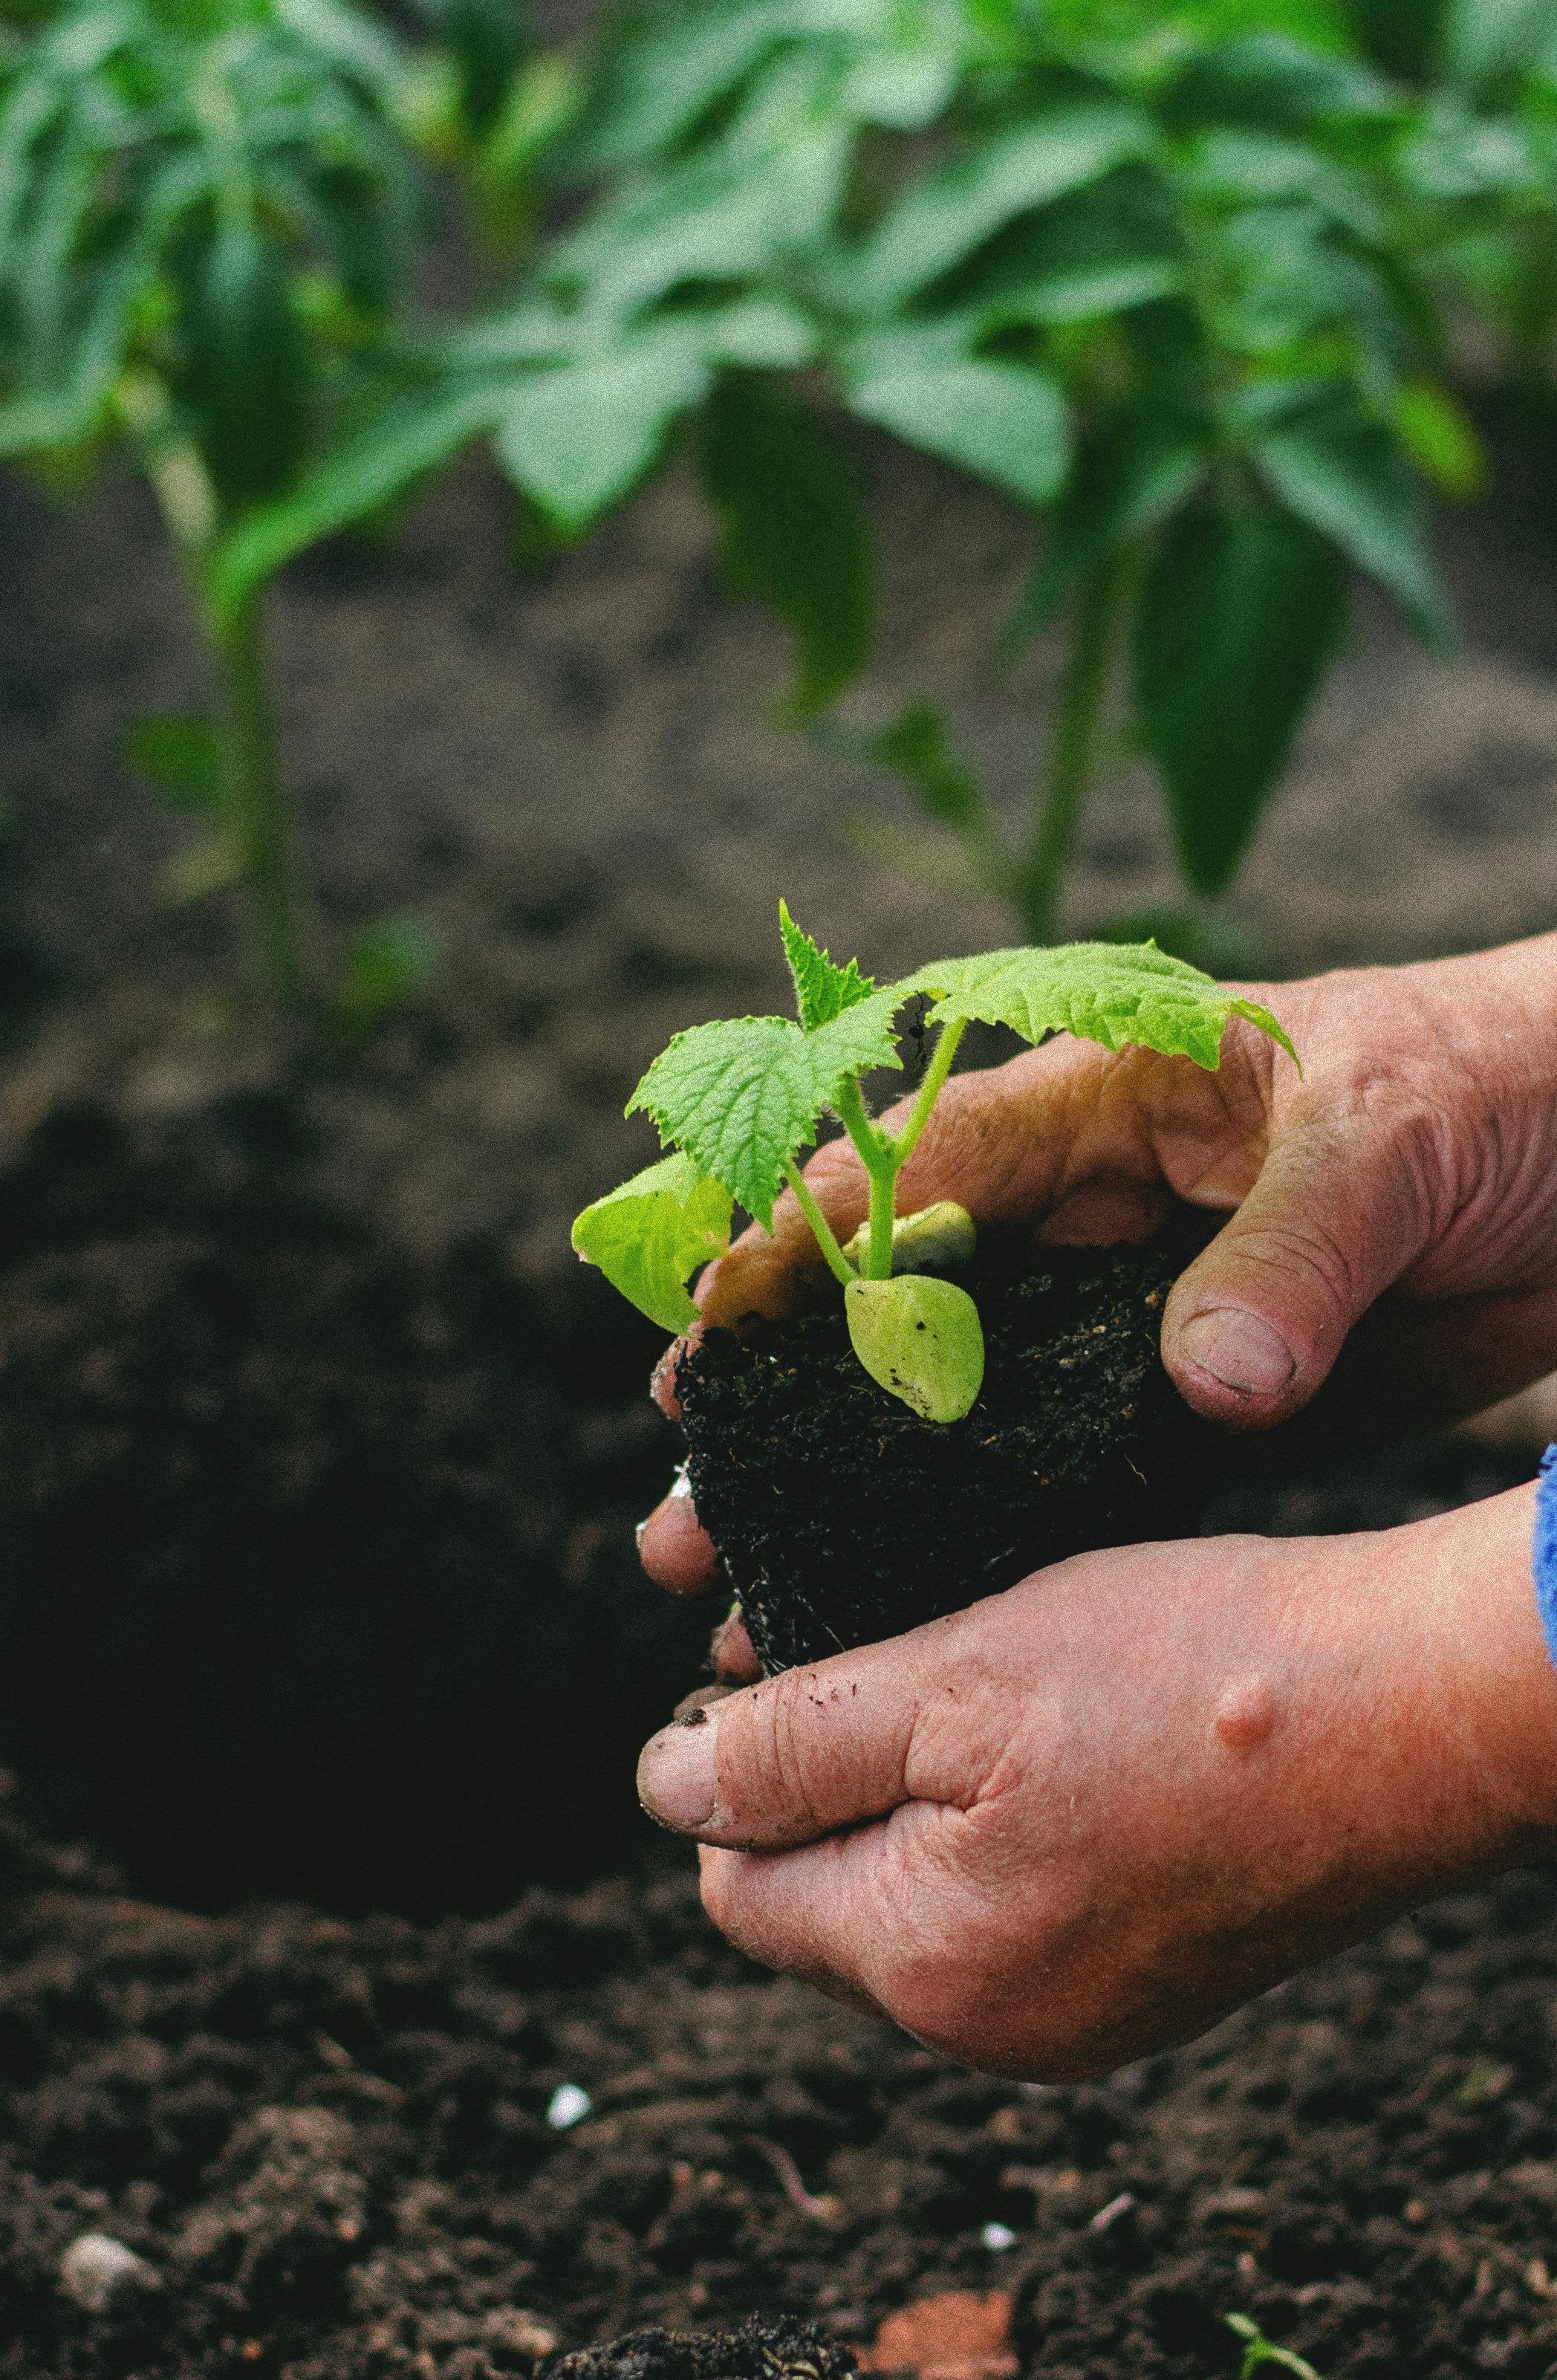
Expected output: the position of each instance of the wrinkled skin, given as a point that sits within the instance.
(1083, 1818)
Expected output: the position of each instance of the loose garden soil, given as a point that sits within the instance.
(842, 1517)
(319, 1460)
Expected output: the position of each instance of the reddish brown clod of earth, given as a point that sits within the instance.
(958, 2335)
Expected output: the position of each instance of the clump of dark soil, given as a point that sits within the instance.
(759, 2350)
(319, 1572)
(843, 1518)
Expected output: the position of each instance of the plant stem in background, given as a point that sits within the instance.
(254, 798)
(1074, 749)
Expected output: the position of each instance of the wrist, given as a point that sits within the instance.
(1497, 1683)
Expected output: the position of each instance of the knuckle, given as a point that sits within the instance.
(1305, 1246)
(763, 1762)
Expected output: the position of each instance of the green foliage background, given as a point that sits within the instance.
(1188, 282)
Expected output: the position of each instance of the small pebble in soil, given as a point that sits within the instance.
(95, 2269)
(569, 2105)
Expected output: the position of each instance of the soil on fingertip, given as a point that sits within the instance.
(842, 1517)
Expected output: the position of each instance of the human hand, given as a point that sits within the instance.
(1078, 1822)
(1417, 1154)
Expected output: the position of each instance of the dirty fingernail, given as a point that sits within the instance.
(701, 1698)
(1238, 1348)
(676, 1773)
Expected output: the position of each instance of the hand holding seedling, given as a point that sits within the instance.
(1083, 1818)
(737, 1100)
(1415, 1154)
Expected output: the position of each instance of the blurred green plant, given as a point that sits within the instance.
(486, 100)
(206, 211)
(1479, 169)
(1170, 277)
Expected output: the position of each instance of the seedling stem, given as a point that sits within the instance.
(826, 1239)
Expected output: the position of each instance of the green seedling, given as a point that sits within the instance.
(737, 1102)
(1258, 2350)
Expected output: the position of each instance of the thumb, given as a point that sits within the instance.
(789, 1760)
(1254, 1326)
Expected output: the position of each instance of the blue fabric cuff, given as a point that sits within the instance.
(1543, 1552)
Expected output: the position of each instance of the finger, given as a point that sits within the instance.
(814, 1749)
(731, 1652)
(674, 1547)
(803, 1912)
(662, 1379)
(1338, 1212)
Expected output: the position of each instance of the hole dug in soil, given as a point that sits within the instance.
(320, 1573)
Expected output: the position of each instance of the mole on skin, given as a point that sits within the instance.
(1246, 1714)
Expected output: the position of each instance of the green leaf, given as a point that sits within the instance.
(370, 470)
(905, 88)
(1485, 39)
(663, 81)
(1236, 621)
(763, 333)
(953, 210)
(1006, 421)
(1097, 251)
(485, 41)
(1100, 991)
(822, 989)
(1440, 438)
(652, 1234)
(579, 437)
(1265, 78)
(795, 532)
(920, 1338)
(743, 1096)
(180, 754)
(1343, 474)
(384, 960)
(1129, 475)
(941, 1238)
(711, 220)
(857, 1041)
(248, 370)
(918, 749)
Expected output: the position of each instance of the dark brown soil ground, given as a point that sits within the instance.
(328, 2145)
(843, 1518)
(318, 1460)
